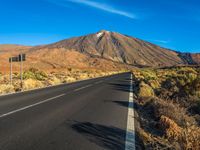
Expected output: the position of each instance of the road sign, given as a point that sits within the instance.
(18, 59)
(22, 57)
(14, 59)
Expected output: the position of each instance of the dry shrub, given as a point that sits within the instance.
(190, 139)
(31, 84)
(171, 110)
(92, 75)
(195, 87)
(34, 73)
(146, 137)
(83, 76)
(145, 90)
(69, 79)
(175, 114)
(197, 118)
(54, 81)
(182, 137)
(171, 130)
(6, 88)
(154, 84)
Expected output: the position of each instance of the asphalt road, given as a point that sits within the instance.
(86, 115)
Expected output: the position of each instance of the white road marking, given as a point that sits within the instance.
(29, 106)
(130, 131)
(84, 87)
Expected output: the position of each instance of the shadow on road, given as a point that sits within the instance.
(121, 86)
(126, 104)
(108, 137)
(122, 103)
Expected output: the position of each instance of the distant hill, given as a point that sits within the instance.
(13, 47)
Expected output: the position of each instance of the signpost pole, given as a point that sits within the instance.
(11, 70)
(21, 71)
(20, 58)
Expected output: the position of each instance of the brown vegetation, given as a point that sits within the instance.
(170, 117)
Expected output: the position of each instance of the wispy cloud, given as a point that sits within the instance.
(102, 6)
(161, 41)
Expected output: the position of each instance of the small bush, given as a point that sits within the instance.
(154, 84)
(170, 110)
(54, 81)
(31, 84)
(145, 90)
(190, 138)
(171, 130)
(6, 88)
(34, 74)
(69, 79)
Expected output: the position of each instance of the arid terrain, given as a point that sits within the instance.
(168, 107)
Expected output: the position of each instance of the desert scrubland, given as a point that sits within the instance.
(168, 106)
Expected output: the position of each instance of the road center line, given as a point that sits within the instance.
(29, 106)
(130, 131)
(84, 87)
(98, 82)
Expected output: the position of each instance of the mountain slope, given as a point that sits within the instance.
(190, 59)
(119, 48)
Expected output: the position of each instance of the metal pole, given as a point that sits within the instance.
(11, 70)
(21, 71)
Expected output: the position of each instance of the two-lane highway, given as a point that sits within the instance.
(87, 115)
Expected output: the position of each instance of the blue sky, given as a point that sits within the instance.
(173, 24)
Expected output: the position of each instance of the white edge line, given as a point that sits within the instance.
(130, 132)
(84, 87)
(29, 106)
